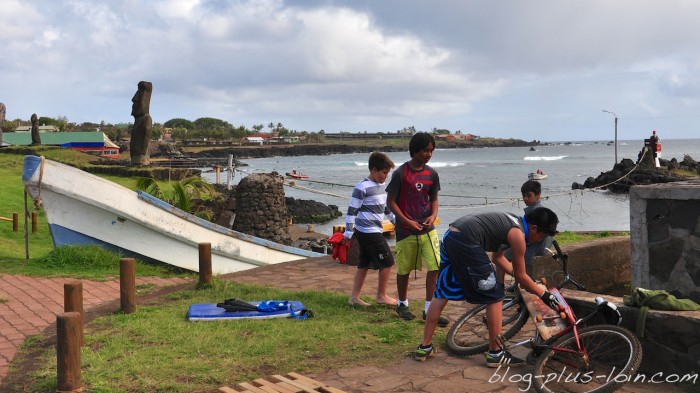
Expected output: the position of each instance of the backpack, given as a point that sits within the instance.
(656, 299)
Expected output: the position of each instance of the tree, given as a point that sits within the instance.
(183, 195)
(179, 123)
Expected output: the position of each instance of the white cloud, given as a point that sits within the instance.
(511, 68)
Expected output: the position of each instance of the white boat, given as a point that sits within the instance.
(82, 208)
(536, 176)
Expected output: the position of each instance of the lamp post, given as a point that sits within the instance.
(613, 113)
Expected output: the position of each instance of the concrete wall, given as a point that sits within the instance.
(665, 236)
(602, 265)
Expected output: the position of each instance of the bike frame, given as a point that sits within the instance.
(573, 325)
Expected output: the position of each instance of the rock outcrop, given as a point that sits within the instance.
(626, 174)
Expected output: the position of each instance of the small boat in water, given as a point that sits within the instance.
(82, 208)
(297, 175)
(536, 176)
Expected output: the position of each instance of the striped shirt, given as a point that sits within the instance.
(367, 208)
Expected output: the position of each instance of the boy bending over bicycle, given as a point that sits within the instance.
(466, 273)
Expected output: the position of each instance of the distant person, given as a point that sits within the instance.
(413, 198)
(531, 191)
(655, 146)
(466, 272)
(366, 212)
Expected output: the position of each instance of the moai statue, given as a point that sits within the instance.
(141, 133)
(3, 110)
(36, 138)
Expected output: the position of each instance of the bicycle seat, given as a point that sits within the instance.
(609, 311)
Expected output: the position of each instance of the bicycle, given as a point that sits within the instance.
(597, 358)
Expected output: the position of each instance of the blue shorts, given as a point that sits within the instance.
(466, 273)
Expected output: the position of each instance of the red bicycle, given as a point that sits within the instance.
(579, 358)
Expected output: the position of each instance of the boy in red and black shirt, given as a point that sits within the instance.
(413, 198)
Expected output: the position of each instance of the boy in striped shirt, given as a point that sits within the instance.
(366, 212)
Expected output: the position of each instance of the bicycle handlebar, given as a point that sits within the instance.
(556, 246)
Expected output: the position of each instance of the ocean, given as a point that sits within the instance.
(484, 179)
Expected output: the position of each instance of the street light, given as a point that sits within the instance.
(613, 113)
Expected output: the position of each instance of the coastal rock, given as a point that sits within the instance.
(626, 174)
(310, 212)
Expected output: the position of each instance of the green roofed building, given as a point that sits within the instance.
(96, 143)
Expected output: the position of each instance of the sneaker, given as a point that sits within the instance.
(442, 321)
(504, 359)
(404, 312)
(424, 353)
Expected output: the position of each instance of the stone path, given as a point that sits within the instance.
(28, 305)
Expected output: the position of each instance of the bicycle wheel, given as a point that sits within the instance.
(613, 356)
(469, 335)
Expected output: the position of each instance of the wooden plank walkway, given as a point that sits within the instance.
(290, 383)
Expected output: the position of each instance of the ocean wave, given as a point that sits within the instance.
(439, 164)
(544, 158)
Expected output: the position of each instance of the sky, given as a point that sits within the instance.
(531, 70)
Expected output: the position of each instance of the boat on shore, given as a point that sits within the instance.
(536, 176)
(82, 208)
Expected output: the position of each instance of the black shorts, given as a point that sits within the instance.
(374, 251)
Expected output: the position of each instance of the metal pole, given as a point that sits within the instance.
(616, 140)
(613, 113)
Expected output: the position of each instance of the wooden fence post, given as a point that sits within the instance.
(73, 302)
(204, 263)
(127, 285)
(68, 352)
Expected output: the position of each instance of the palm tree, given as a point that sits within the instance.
(183, 194)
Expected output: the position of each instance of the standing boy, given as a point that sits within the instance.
(466, 273)
(364, 219)
(413, 198)
(531, 191)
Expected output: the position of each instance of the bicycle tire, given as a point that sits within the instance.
(469, 334)
(610, 348)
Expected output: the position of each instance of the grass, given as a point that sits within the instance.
(158, 350)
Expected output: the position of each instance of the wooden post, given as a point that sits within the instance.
(73, 302)
(34, 224)
(26, 232)
(217, 171)
(229, 175)
(68, 352)
(15, 222)
(127, 285)
(204, 263)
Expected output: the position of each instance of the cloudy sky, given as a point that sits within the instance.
(531, 69)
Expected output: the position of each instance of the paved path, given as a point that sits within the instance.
(28, 305)
(33, 303)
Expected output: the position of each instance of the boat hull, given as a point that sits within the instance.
(85, 209)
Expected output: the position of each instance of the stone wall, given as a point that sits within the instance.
(602, 265)
(671, 342)
(665, 228)
(260, 208)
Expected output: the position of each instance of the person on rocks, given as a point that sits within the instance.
(413, 198)
(366, 211)
(467, 273)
